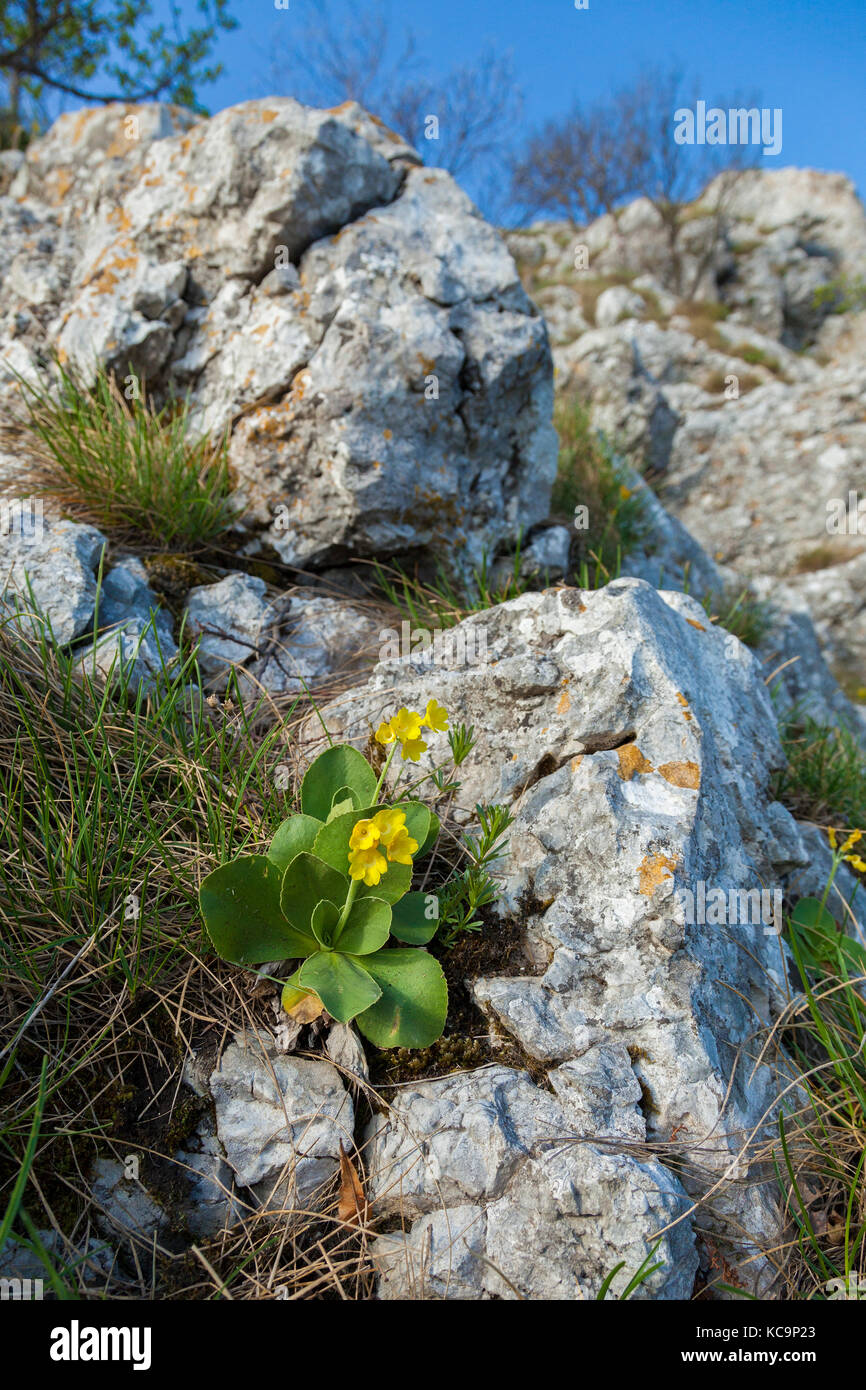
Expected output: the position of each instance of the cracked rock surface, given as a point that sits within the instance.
(635, 745)
(346, 315)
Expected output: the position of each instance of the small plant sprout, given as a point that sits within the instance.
(472, 888)
(334, 889)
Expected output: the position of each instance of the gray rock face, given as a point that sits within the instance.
(547, 554)
(228, 619)
(317, 638)
(635, 745)
(135, 632)
(280, 1120)
(52, 575)
(212, 1204)
(503, 1197)
(346, 315)
(741, 379)
(295, 643)
(125, 1211)
(93, 1262)
(619, 302)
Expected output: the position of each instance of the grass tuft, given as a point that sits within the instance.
(135, 471)
(825, 778)
(591, 475)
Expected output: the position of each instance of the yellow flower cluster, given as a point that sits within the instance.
(385, 831)
(406, 726)
(853, 859)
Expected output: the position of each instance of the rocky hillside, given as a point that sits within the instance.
(732, 362)
(607, 1092)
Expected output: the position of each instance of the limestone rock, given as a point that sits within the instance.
(135, 632)
(316, 639)
(635, 745)
(345, 315)
(229, 618)
(505, 1201)
(280, 1120)
(51, 573)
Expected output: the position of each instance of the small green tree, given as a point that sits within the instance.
(103, 50)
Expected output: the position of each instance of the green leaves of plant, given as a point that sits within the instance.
(338, 769)
(344, 986)
(367, 928)
(415, 918)
(294, 836)
(413, 1005)
(240, 903)
(811, 913)
(306, 882)
(822, 945)
(291, 903)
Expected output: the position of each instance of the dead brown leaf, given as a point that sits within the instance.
(353, 1208)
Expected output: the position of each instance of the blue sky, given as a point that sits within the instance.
(806, 56)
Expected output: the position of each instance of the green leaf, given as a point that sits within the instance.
(344, 800)
(811, 913)
(367, 928)
(414, 1002)
(332, 841)
(240, 903)
(333, 771)
(431, 838)
(411, 921)
(417, 819)
(325, 917)
(822, 943)
(295, 835)
(306, 882)
(341, 982)
(391, 886)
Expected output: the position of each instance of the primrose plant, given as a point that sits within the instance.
(332, 891)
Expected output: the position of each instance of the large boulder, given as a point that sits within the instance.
(741, 378)
(635, 744)
(344, 314)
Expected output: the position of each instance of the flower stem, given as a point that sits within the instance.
(381, 780)
(837, 859)
(347, 908)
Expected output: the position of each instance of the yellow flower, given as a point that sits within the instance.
(852, 840)
(406, 724)
(413, 748)
(856, 862)
(402, 847)
(624, 492)
(387, 824)
(367, 864)
(386, 830)
(364, 835)
(436, 717)
(831, 836)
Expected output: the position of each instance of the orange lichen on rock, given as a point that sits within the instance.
(653, 870)
(632, 761)
(681, 774)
